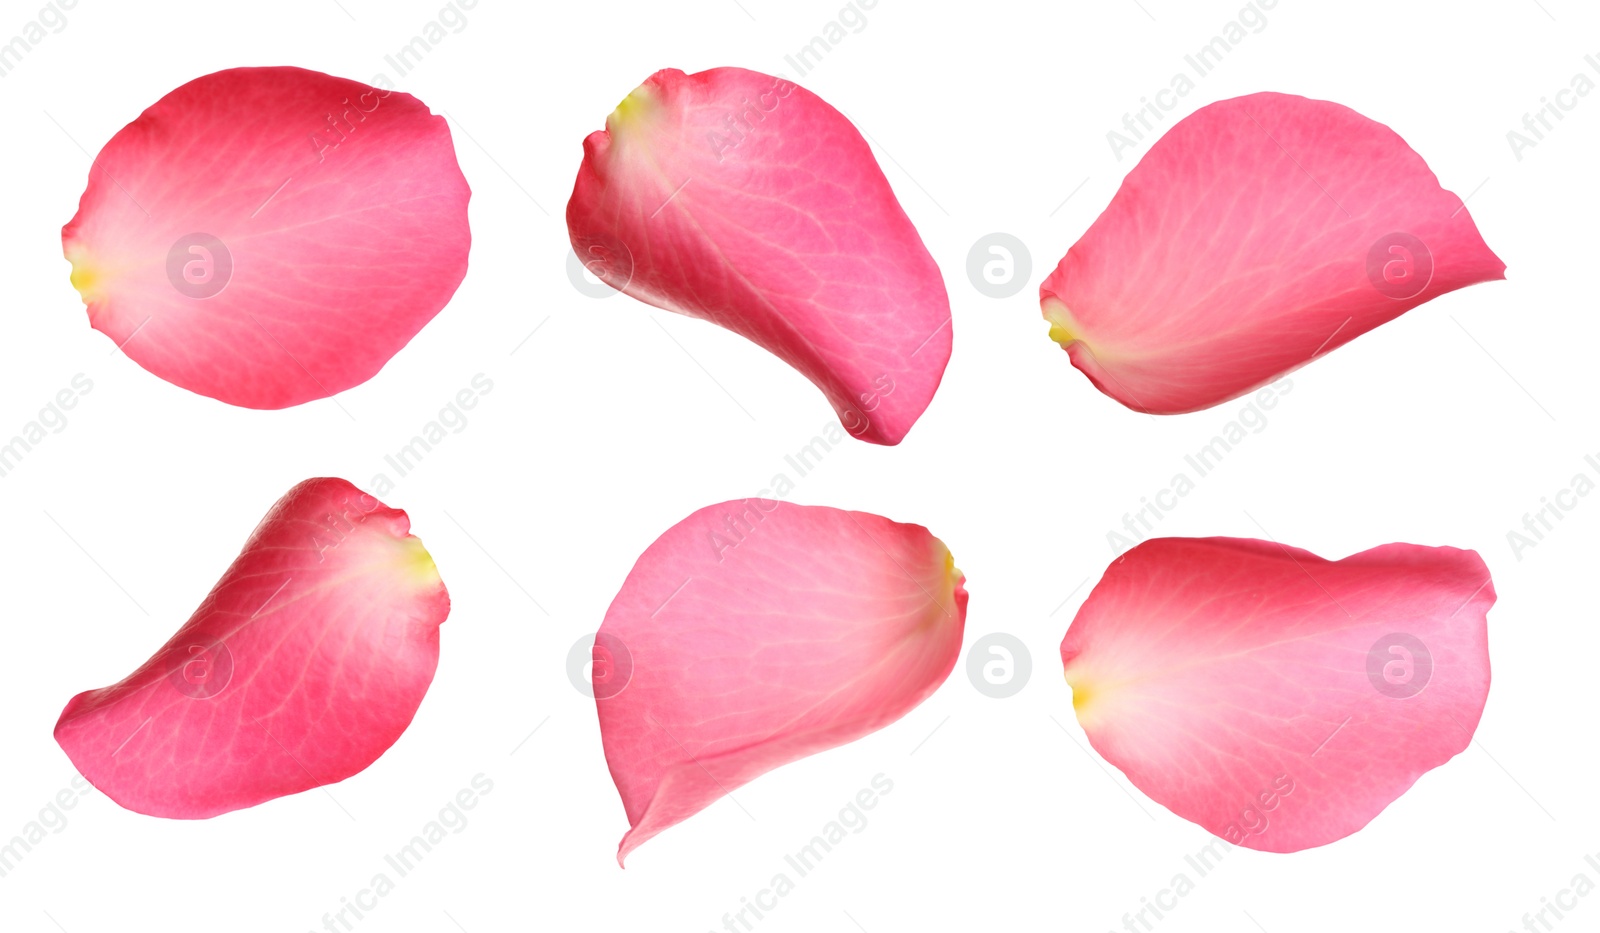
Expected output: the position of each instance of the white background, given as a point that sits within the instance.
(1443, 427)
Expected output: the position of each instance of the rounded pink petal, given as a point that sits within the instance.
(270, 236)
(746, 200)
(754, 633)
(306, 661)
(1278, 699)
(1258, 233)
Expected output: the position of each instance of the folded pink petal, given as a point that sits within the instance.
(746, 200)
(756, 632)
(1257, 234)
(303, 665)
(270, 236)
(1278, 699)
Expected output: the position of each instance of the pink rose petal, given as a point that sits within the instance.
(270, 236)
(305, 663)
(756, 632)
(747, 201)
(1257, 234)
(1278, 699)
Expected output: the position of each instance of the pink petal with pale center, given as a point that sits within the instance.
(747, 201)
(270, 236)
(1257, 234)
(1278, 699)
(306, 661)
(756, 632)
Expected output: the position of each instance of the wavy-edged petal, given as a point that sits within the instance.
(1278, 699)
(1257, 234)
(748, 201)
(306, 661)
(756, 632)
(270, 236)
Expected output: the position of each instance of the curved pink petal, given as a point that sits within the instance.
(303, 665)
(270, 236)
(1258, 233)
(746, 200)
(754, 633)
(1277, 699)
